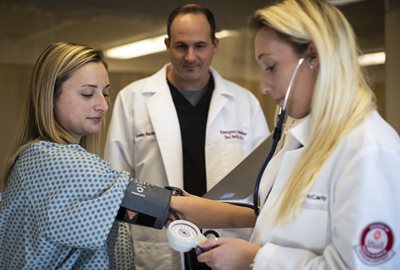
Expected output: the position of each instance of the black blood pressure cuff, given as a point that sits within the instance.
(151, 203)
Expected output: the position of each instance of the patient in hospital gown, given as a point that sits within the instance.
(65, 199)
(60, 203)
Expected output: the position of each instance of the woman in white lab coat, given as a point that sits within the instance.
(329, 197)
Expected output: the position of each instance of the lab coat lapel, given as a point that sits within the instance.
(289, 160)
(274, 175)
(219, 98)
(217, 103)
(293, 150)
(166, 126)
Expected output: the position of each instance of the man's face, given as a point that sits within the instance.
(191, 50)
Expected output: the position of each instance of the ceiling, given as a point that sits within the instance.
(27, 27)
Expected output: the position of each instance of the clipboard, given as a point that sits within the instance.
(237, 187)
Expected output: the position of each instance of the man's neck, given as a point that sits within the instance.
(188, 85)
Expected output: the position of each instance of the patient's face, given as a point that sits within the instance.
(82, 102)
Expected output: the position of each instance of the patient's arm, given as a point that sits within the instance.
(212, 214)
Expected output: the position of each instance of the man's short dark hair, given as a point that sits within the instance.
(192, 9)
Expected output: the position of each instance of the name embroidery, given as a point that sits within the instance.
(316, 197)
(233, 134)
(145, 134)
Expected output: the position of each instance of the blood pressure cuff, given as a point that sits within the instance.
(151, 203)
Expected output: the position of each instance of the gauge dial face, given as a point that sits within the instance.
(183, 235)
(184, 232)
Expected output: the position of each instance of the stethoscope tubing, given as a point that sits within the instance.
(275, 140)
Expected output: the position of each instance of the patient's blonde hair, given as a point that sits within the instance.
(53, 67)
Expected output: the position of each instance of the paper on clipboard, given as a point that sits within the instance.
(237, 187)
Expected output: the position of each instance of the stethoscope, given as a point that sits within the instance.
(183, 235)
(275, 139)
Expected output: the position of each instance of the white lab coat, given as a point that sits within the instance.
(144, 138)
(356, 191)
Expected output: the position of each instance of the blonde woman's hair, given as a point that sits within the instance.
(341, 98)
(53, 67)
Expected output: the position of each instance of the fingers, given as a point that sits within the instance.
(209, 248)
(216, 243)
(210, 243)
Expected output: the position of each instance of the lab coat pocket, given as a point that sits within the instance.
(308, 230)
(146, 149)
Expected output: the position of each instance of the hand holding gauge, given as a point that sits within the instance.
(184, 235)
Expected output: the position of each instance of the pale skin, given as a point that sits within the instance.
(219, 215)
(191, 50)
(82, 102)
(277, 60)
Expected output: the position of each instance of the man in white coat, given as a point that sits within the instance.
(184, 126)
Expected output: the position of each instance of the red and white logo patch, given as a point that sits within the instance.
(376, 243)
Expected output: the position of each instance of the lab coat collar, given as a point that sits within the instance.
(301, 131)
(152, 85)
(220, 85)
(220, 97)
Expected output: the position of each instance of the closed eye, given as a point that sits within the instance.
(270, 68)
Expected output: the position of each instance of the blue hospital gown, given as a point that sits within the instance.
(58, 212)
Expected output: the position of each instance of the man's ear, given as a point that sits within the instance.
(216, 43)
(166, 42)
